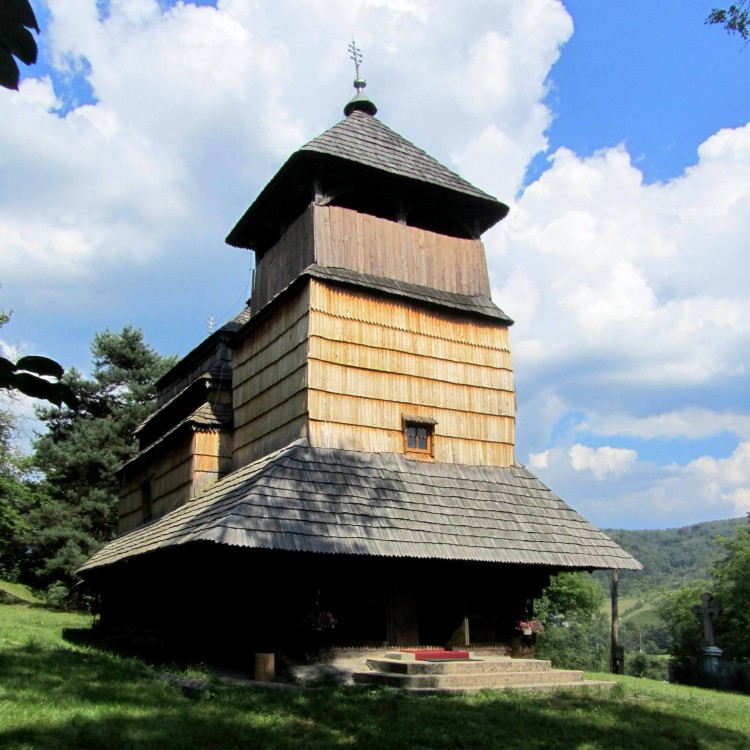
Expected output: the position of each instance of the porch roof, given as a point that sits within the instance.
(345, 502)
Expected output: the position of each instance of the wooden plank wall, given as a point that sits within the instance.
(171, 484)
(269, 382)
(372, 360)
(278, 267)
(364, 243)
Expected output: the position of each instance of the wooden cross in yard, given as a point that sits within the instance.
(706, 610)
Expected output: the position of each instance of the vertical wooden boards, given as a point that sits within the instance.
(368, 244)
(270, 382)
(278, 267)
(371, 360)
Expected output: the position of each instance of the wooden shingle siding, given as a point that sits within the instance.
(386, 359)
(270, 381)
(295, 428)
(364, 335)
(375, 440)
(367, 244)
(171, 484)
(354, 304)
(385, 414)
(372, 360)
(212, 458)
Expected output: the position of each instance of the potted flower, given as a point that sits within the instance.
(529, 627)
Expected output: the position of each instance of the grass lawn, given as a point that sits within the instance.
(55, 695)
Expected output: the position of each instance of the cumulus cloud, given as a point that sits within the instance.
(632, 293)
(614, 488)
(603, 461)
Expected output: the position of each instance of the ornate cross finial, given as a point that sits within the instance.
(356, 54)
(360, 102)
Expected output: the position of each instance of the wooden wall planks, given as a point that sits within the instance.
(367, 244)
(342, 238)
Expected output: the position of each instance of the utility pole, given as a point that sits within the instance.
(617, 658)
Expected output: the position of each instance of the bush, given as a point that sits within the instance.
(58, 596)
(647, 665)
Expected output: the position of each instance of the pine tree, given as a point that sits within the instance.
(81, 451)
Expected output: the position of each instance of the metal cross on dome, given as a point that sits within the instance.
(356, 54)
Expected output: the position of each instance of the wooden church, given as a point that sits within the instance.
(337, 463)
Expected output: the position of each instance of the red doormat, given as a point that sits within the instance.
(434, 654)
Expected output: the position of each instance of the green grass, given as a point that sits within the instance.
(55, 695)
(12, 591)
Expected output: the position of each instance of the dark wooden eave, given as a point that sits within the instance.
(200, 352)
(182, 404)
(361, 163)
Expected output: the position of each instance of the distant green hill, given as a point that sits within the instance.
(670, 557)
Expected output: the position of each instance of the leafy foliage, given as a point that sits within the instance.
(735, 19)
(732, 591)
(16, 18)
(684, 628)
(15, 495)
(576, 635)
(76, 509)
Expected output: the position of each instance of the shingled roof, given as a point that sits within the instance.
(366, 140)
(360, 150)
(307, 499)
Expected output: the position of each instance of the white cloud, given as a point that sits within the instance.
(602, 461)
(740, 498)
(196, 106)
(539, 460)
(632, 493)
(631, 307)
(692, 423)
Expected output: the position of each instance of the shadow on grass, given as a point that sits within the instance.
(61, 698)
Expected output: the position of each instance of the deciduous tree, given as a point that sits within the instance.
(735, 19)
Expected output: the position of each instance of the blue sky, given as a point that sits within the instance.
(617, 132)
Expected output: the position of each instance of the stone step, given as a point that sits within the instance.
(477, 680)
(536, 687)
(475, 666)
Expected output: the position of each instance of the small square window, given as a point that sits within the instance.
(418, 438)
(418, 435)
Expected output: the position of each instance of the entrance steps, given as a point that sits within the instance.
(461, 677)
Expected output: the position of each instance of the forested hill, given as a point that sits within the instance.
(670, 557)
